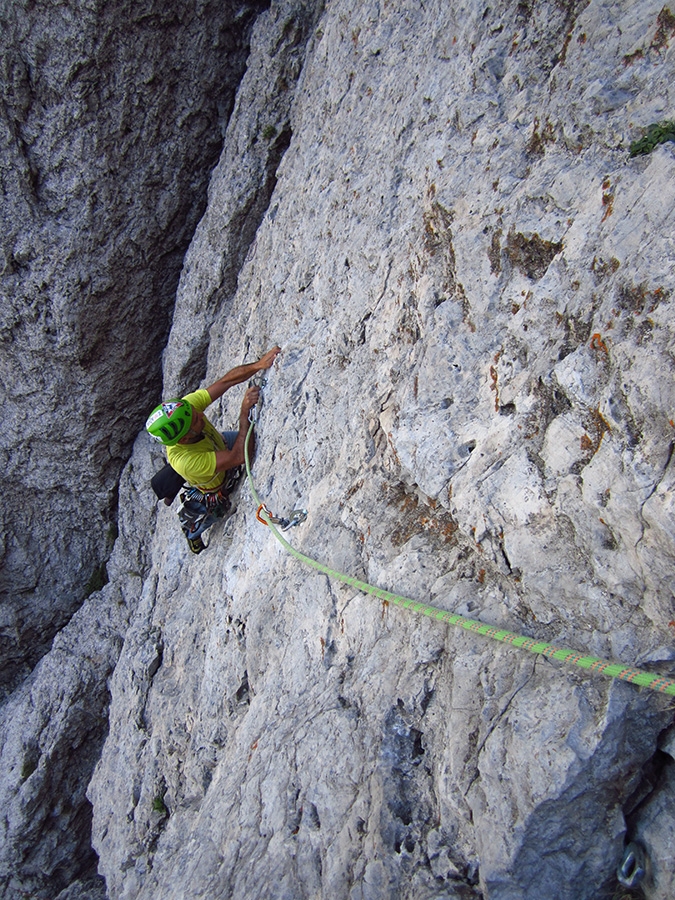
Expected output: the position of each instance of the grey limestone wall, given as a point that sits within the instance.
(432, 208)
(471, 281)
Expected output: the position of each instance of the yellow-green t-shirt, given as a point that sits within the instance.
(197, 462)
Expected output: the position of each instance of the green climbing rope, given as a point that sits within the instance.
(592, 663)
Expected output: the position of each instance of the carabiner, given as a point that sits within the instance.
(259, 380)
(260, 518)
(297, 517)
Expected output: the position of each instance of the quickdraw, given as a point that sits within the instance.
(268, 513)
(254, 412)
(297, 517)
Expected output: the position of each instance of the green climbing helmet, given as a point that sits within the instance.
(170, 421)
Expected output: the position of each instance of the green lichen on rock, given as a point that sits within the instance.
(159, 806)
(657, 133)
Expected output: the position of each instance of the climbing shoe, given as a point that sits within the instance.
(196, 545)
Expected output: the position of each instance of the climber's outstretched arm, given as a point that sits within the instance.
(240, 374)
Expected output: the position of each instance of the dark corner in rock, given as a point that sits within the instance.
(266, 146)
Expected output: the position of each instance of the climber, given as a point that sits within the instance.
(208, 460)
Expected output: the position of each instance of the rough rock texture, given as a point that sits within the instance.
(53, 726)
(655, 829)
(52, 729)
(472, 285)
(240, 190)
(111, 120)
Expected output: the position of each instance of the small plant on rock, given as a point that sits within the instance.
(159, 806)
(657, 133)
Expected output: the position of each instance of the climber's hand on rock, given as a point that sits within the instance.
(267, 360)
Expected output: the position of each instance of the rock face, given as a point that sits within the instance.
(53, 727)
(432, 209)
(111, 121)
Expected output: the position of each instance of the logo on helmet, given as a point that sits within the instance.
(170, 421)
(171, 407)
(152, 419)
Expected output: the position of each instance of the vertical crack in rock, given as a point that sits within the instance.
(258, 136)
(548, 27)
(409, 803)
(659, 480)
(438, 242)
(652, 779)
(244, 224)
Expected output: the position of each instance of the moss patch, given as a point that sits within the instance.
(657, 133)
(159, 806)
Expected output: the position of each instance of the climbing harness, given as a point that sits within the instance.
(209, 499)
(201, 509)
(592, 663)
